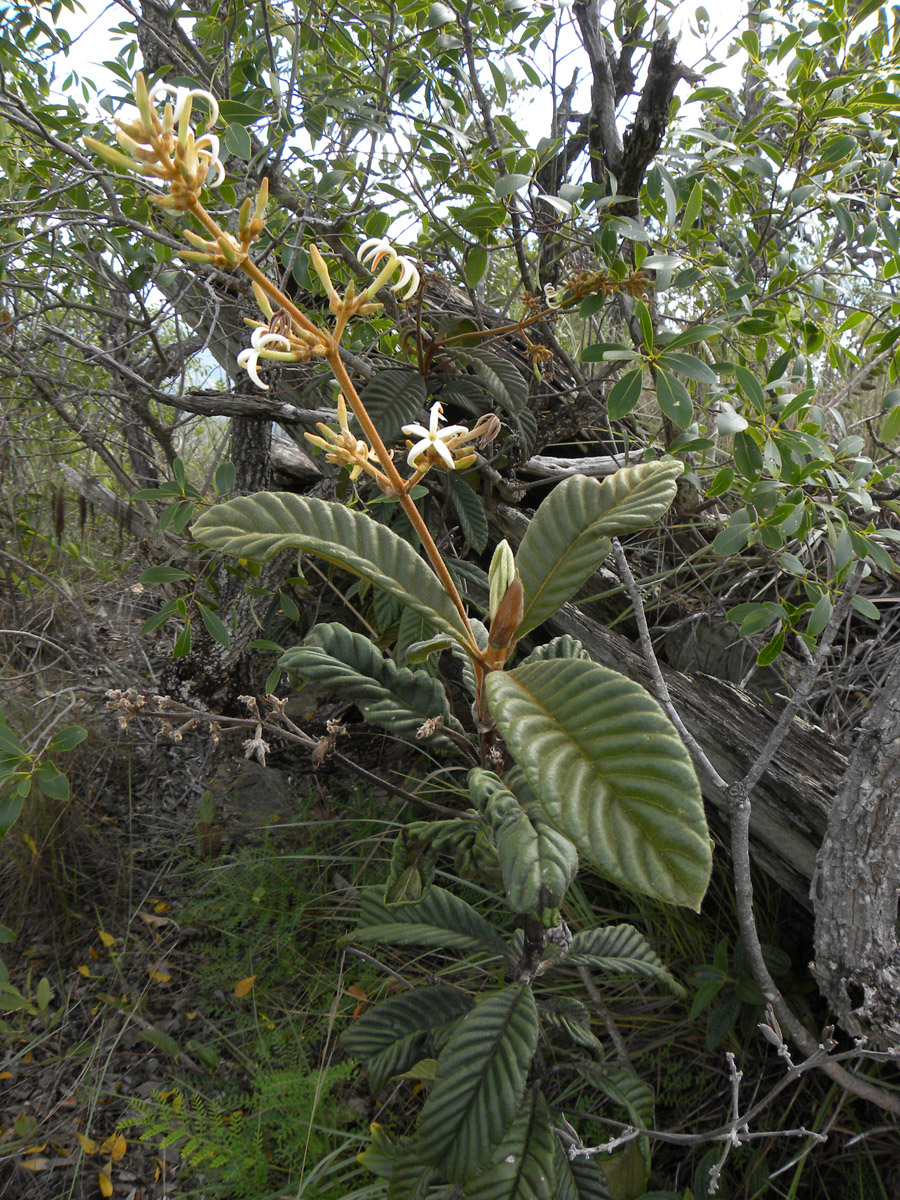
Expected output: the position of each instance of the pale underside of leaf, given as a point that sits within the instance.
(609, 771)
(441, 919)
(568, 537)
(258, 527)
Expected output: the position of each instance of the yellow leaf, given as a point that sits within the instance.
(35, 1149)
(83, 970)
(161, 906)
(245, 986)
(29, 842)
(27, 1057)
(35, 1164)
(107, 939)
(5, 1074)
(160, 976)
(93, 953)
(106, 1188)
(88, 1145)
(115, 1147)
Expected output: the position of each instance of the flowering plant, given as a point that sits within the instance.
(567, 760)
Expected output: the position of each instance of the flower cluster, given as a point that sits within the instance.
(371, 253)
(345, 448)
(166, 147)
(448, 447)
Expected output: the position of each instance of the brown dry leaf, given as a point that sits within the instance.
(151, 919)
(356, 992)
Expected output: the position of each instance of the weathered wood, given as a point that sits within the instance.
(857, 881)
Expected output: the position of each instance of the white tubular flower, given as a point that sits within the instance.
(372, 251)
(181, 96)
(433, 438)
(260, 341)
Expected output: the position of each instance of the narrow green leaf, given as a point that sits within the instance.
(480, 1084)
(163, 575)
(610, 772)
(10, 810)
(642, 312)
(625, 395)
(260, 526)
(215, 626)
(567, 539)
(691, 209)
(237, 140)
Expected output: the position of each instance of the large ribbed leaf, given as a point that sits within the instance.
(470, 511)
(395, 1034)
(480, 1084)
(568, 537)
(609, 771)
(393, 398)
(522, 1167)
(441, 919)
(260, 526)
(619, 949)
(537, 861)
(348, 663)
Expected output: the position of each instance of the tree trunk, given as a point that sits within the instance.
(857, 881)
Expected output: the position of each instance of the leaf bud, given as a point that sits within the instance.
(500, 574)
(508, 616)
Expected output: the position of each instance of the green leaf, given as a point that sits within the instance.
(537, 862)
(687, 364)
(747, 455)
(674, 399)
(642, 312)
(470, 511)
(624, 1088)
(66, 739)
(475, 265)
(393, 697)
(567, 539)
(260, 526)
(163, 575)
(237, 141)
(610, 772)
(396, 1033)
(691, 209)
(619, 949)
(480, 1084)
(564, 646)
(215, 627)
(52, 781)
(10, 744)
(523, 1166)
(625, 395)
(10, 810)
(499, 378)
(440, 15)
(441, 920)
(578, 1178)
(393, 398)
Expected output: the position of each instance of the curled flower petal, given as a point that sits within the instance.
(249, 360)
(181, 95)
(409, 279)
(374, 249)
